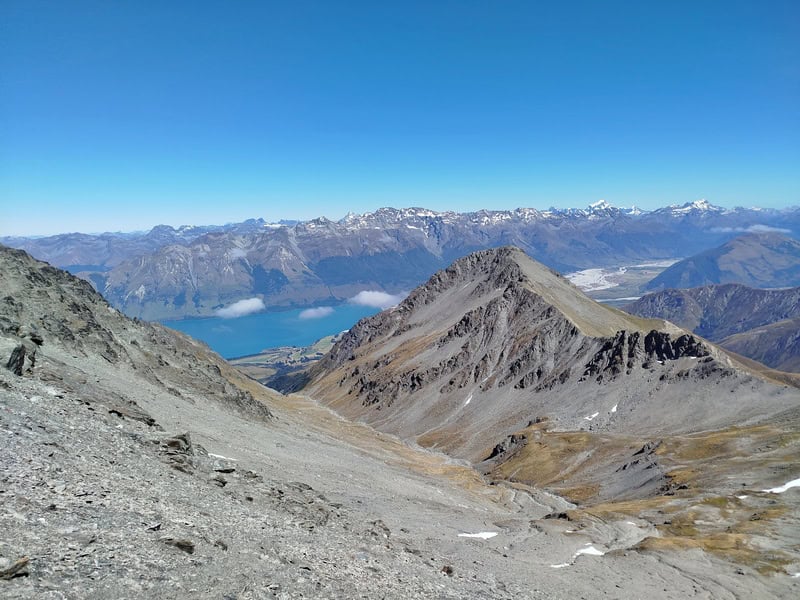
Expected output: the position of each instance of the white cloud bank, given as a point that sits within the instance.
(751, 229)
(241, 308)
(316, 313)
(377, 299)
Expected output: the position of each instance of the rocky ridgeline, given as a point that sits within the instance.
(497, 340)
(46, 306)
(628, 350)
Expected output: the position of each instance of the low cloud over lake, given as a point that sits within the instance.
(316, 313)
(241, 308)
(377, 299)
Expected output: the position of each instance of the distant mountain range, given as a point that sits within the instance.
(764, 260)
(760, 324)
(193, 271)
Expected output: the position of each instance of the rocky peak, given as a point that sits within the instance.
(496, 338)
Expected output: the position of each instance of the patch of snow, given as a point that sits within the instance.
(742, 497)
(626, 298)
(590, 550)
(786, 486)
(468, 400)
(589, 418)
(795, 575)
(698, 205)
(614, 408)
(631, 523)
(484, 535)
(221, 457)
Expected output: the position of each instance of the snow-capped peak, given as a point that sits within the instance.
(698, 206)
(600, 205)
(701, 204)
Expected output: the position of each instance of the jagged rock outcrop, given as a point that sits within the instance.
(627, 350)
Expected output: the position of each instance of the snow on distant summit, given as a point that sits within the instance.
(192, 272)
(696, 207)
(600, 205)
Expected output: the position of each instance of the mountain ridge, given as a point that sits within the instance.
(322, 261)
(424, 366)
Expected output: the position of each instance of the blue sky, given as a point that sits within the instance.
(123, 115)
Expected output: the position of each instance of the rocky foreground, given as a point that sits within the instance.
(136, 463)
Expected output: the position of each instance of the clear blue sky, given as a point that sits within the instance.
(122, 115)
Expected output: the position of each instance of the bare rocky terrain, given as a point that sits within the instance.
(137, 463)
(501, 362)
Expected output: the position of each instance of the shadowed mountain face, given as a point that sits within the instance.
(497, 340)
(758, 324)
(764, 260)
(777, 345)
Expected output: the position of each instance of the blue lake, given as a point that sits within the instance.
(252, 334)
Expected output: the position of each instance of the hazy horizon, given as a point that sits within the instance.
(176, 225)
(121, 116)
